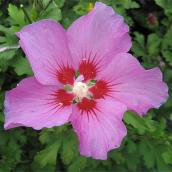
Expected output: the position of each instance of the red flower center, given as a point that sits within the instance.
(87, 105)
(66, 75)
(82, 93)
(88, 69)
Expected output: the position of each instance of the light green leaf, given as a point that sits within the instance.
(22, 66)
(136, 121)
(53, 11)
(167, 156)
(166, 5)
(49, 154)
(16, 14)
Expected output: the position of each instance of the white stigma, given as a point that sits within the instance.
(80, 89)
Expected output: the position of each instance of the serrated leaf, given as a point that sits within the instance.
(16, 14)
(148, 154)
(49, 154)
(153, 44)
(7, 54)
(69, 148)
(78, 165)
(136, 121)
(138, 45)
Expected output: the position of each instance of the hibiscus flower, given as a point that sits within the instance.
(83, 76)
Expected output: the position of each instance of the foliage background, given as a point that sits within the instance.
(148, 145)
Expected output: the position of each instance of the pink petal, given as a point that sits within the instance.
(98, 33)
(45, 45)
(101, 129)
(134, 86)
(32, 104)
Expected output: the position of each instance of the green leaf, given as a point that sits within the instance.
(131, 146)
(117, 156)
(132, 162)
(81, 8)
(166, 5)
(49, 154)
(16, 14)
(167, 46)
(138, 46)
(53, 11)
(148, 154)
(153, 44)
(78, 165)
(136, 121)
(8, 54)
(168, 56)
(50, 135)
(129, 4)
(69, 148)
(60, 3)
(22, 66)
(5, 58)
(167, 156)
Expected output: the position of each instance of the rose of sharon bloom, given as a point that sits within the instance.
(84, 76)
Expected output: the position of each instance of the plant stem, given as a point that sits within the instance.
(2, 49)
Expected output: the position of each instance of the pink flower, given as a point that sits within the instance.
(84, 76)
